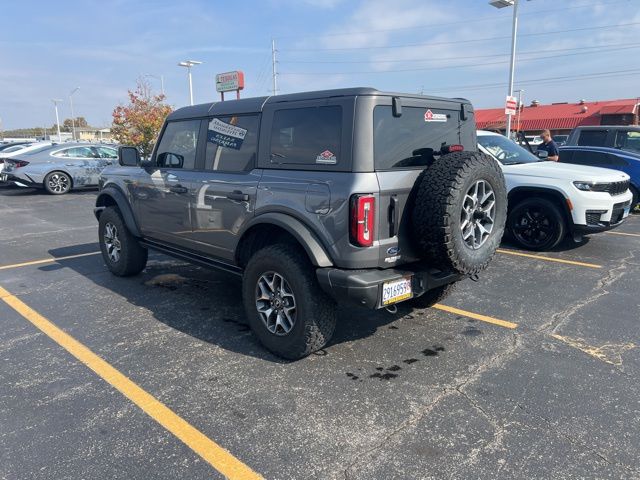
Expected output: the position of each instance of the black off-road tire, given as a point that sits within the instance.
(316, 313)
(61, 186)
(534, 207)
(433, 296)
(436, 216)
(132, 256)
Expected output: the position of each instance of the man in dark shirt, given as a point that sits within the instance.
(549, 146)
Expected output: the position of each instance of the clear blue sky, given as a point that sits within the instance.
(402, 45)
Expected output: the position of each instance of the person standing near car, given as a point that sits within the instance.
(549, 146)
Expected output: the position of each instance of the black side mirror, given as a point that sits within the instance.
(170, 160)
(542, 154)
(128, 156)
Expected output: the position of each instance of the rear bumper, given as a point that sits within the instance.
(364, 287)
(21, 182)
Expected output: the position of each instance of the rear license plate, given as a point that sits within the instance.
(396, 291)
(3, 177)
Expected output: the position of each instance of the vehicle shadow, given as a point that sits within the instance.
(10, 190)
(566, 245)
(203, 303)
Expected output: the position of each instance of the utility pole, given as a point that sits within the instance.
(273, 66)
(73, 118)
(520, 107)
(55, 104)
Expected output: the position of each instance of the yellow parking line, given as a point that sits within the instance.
(625, 234)
(46, 260)
(476, 316)
(219, 458)
(548, 259)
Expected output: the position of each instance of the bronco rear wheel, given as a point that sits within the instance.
(460, 211)
(287, 310)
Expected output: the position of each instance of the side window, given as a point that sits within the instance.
(76, 152)
(616, 161)
(627, 140)
(592, 138)
(232, 143)
(581, 157)
(566, 156)
(106, 152)
(306, 136)
(178, 145)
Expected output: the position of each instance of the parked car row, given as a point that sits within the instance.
(57, 168)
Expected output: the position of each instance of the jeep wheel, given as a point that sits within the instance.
(121, 251)
(536, 224)
(287, 310)
(57, 183)
(433, 296)
(460, 211)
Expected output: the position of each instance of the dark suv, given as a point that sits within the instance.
(313, 198)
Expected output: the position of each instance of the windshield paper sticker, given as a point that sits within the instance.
(225, 134)
(429, 116)
(327, 157)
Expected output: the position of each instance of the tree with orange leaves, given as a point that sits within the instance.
(139, 122)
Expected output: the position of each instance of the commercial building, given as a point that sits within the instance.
(561, 118)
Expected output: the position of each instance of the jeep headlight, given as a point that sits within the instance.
(584, 186)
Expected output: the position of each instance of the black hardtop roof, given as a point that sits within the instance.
(256, 104)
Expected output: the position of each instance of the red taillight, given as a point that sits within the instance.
(20, 163)
(453, 148)
(363, 209)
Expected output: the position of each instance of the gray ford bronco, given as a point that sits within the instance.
(312, 198)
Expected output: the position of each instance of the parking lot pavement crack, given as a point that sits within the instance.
(580, 443)
(496, 361)
(559, 319)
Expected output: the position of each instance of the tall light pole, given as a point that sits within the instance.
(188, 64)
(274, 73)
(514, 34)
(55, 104)
(73, 118)
(159, 77)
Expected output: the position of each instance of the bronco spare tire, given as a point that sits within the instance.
(460, 211)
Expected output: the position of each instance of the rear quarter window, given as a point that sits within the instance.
(412, 139)
(306, 136)
(592, 138)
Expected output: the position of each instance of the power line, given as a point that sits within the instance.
(548, 80)
(445, 24)
(456, 42)
(530, 52)
(468, 65)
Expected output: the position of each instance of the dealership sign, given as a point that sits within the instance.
(229, 81)
(511, 105)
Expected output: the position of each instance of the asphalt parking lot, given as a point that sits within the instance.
(531, 372)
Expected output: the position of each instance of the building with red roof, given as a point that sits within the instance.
(561, 118)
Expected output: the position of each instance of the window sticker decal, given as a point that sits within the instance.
(225, 134)
(429, 116)
(327, 157)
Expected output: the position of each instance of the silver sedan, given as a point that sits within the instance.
(59, 168)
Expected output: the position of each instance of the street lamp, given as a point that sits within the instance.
(73, 118)
(55, 104)
(159, 77)
(514, 33)
(189, 64)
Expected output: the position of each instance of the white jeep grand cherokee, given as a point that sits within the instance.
(548, 200)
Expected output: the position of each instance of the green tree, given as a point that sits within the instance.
(139, 122)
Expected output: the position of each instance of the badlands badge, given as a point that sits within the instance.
(327, 157)
(429, 116)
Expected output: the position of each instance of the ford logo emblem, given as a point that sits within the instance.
(393, 250)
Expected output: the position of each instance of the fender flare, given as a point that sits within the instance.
(316, 252)
(123, 205)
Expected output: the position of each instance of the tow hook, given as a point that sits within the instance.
(474, 277)
(391, 309)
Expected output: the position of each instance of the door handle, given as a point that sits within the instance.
(178, 189)
(238, 196)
